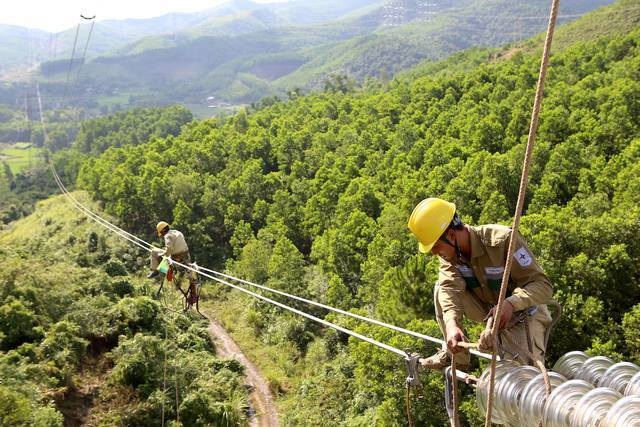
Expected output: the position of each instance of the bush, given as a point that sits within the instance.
(17, 325)
(631, 327)
(139, 363)
(122, 288)
(200, 409)
(115, 268)
(62, 345)
(89, 312)
(47, 417)
(131, 315)
(14, 408)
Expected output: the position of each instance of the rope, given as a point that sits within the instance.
(164, 372)
(454, 391)
(521, 196)
(175, 377)
(407, 401)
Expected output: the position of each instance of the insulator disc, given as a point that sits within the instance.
(503, 367)
(593, 369)
(633, 388)
(591, 409)
(569, 363)
(508, 392)
(624, 413)
(562, 401)
(618, 375)
(534, 396)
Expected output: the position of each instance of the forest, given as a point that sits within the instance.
(311, 196)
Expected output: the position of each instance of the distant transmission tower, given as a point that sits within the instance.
(426, 10)
(398, 12)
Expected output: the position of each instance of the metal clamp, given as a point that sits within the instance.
(411, 362)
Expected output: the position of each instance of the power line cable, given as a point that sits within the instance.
(138, 241)
(86, 45)
(201, 271)
(343, 312)
(73, 52)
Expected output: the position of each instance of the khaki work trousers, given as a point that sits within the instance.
(513, 342)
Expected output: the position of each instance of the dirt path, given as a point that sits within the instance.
(264, 408)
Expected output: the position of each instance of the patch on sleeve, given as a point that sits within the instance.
(523, 257)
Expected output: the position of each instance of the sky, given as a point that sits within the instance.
(58, 15)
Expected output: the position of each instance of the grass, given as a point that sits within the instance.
(281, 366)
(21, 156)
(53, 217)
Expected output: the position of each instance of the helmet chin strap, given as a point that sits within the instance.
(461, 259)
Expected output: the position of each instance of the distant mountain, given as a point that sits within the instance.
(241, 51)
(403, 41)
(234, 64)
(21, 46)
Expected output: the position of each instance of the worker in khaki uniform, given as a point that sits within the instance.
(472, 262)
(175, 246)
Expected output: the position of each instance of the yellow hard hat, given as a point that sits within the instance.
(429, 219)
(161, 226)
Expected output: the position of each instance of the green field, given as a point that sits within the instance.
(20, 156)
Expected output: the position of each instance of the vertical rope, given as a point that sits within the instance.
(521, 196)
(164, 372)
(175, 376)
(454, 391)
(407, 400)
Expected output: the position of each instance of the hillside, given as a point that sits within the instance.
(396, 47)
(618, 19)
(83, 343)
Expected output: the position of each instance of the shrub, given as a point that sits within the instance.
(17, 324)
(139, 363)
(14, 408)
(115, 268)
(62, 345)
(47, 417)
(122, 288)
(131, 315)
(199, 409)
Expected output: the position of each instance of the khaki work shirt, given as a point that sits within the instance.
(528, 283)
(174, 243)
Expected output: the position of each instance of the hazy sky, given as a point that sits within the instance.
(57, 15)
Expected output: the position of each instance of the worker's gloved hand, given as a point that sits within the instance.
(485, 342)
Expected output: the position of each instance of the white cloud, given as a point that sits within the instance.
(52, 15)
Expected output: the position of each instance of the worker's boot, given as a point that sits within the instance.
(152, 274)
(441, 360)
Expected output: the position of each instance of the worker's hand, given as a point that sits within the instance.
(505, 314)
(454, 336)
(486, 341)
